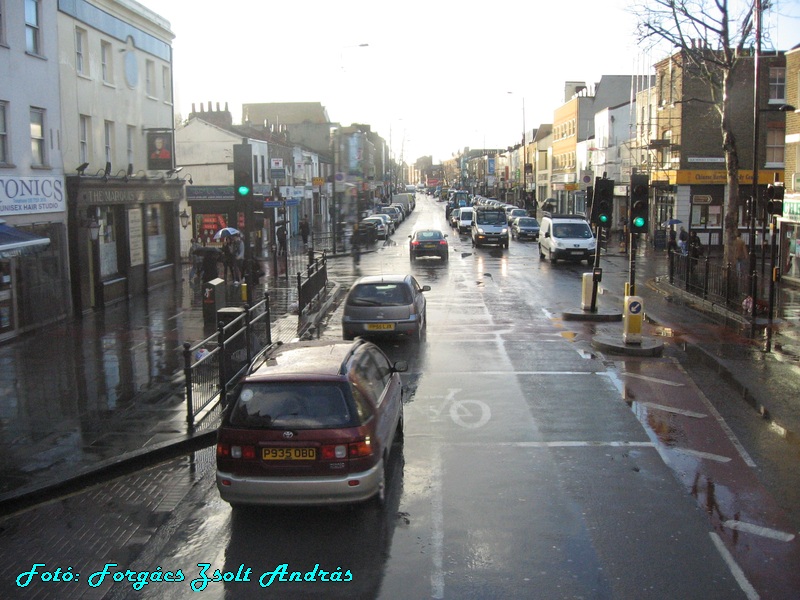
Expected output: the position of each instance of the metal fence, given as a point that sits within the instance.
(311, 288)
(213, 365)
(712, 281)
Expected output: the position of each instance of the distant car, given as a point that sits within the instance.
(385, 306)
(314, 424)
(525, 228)
(395, 212)
(454, 218)
(428, 242)
(514, 213)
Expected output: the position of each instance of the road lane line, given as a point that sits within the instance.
(558, 444)
(677, 411)
(653, 379)
(437, 526)
(735, 569)
(766, 532)
(697, 453)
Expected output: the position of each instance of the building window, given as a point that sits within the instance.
(107, 62)
(777, 84)
(80, 58)
(166, 83)
(129, 143)
(32, 25)
(85, 134)
(150, 78)
(3, 134)
(108, 138)
(37, 137)
(2, 23)
(776, 140)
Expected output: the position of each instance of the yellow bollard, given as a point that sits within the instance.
(633, 314)
(244, 292)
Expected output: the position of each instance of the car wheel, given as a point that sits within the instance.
(401, 425)
(553, 258)
(541, 254)
(445, 257)
(411, 257)
(347, 336)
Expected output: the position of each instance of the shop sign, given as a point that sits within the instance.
(28, 195)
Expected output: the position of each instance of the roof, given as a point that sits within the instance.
(14, 242)
(391, 278)
(313, 358)
(285, 113)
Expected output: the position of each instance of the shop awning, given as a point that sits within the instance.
(14, 242)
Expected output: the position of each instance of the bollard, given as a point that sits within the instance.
(633, 315)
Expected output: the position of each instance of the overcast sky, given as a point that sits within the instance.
(436, 74)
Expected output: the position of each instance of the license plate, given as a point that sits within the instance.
(380, 326)
(288, 453)
(429, 246)
(576, 251)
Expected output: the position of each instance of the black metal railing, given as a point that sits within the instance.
(214, 365)
(710, 280)
(311, 287)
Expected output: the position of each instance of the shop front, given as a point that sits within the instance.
(789, 236)
(124, 238)
(34, 289)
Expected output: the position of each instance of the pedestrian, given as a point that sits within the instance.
(696, 250)
(227, 257)
(238, 259)
(740, 254)
(672, 244)
(305, 229)
(281, 235)
(195, 256)
(683, 239)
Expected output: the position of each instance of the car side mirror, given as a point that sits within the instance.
(426, 288)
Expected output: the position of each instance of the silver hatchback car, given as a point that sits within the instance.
(385, 306)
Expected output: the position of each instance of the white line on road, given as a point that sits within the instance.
(653, 379)
(735, 569)
(437, 526)
(677, 411)
(774, 534)
(697, 453)
(560, 444)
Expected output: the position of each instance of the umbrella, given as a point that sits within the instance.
(226, 232)
(671, 222)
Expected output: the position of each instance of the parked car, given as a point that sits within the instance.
(428, 242)
(386, 219)
(385, 306)
(365, 233)
(525, 228)
(454, 218)
(381, 231)
(394, 212)
(314, 423)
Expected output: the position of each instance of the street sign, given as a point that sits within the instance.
(275, 163)
(277, 173)
(317, 181)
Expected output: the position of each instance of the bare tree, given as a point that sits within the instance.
(712, 36)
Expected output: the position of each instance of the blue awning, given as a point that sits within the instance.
(14, 242)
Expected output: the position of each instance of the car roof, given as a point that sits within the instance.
(313, 358)
(390, 278)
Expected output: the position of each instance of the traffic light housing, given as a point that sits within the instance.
(775, 199)
(602, 202)
(640, 203)
(242, 173)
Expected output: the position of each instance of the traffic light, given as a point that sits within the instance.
(603, 202)
(640, 203)
(775, 202)
(242, 173)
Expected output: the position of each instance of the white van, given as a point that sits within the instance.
(567, 237)
(464, 219)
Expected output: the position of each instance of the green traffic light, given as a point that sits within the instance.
(243, 190)
(603, 218)
(638, 222)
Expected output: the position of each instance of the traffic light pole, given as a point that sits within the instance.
(631, 265)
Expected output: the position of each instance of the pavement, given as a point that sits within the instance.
(94, 398)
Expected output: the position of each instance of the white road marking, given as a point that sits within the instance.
(653, 379)
(736, 571)
(705, 455)
(559, 444)
(774, 534)
(677, 411)
(437, 526)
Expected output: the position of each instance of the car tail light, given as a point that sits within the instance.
(443, 242)
(359, 449)
(233, 451)
(415, 243)
(333, 452)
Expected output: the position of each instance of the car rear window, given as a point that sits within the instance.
(527, 222)
(380, 294)
(296, 405)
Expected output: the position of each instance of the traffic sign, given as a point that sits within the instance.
(317, 181)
